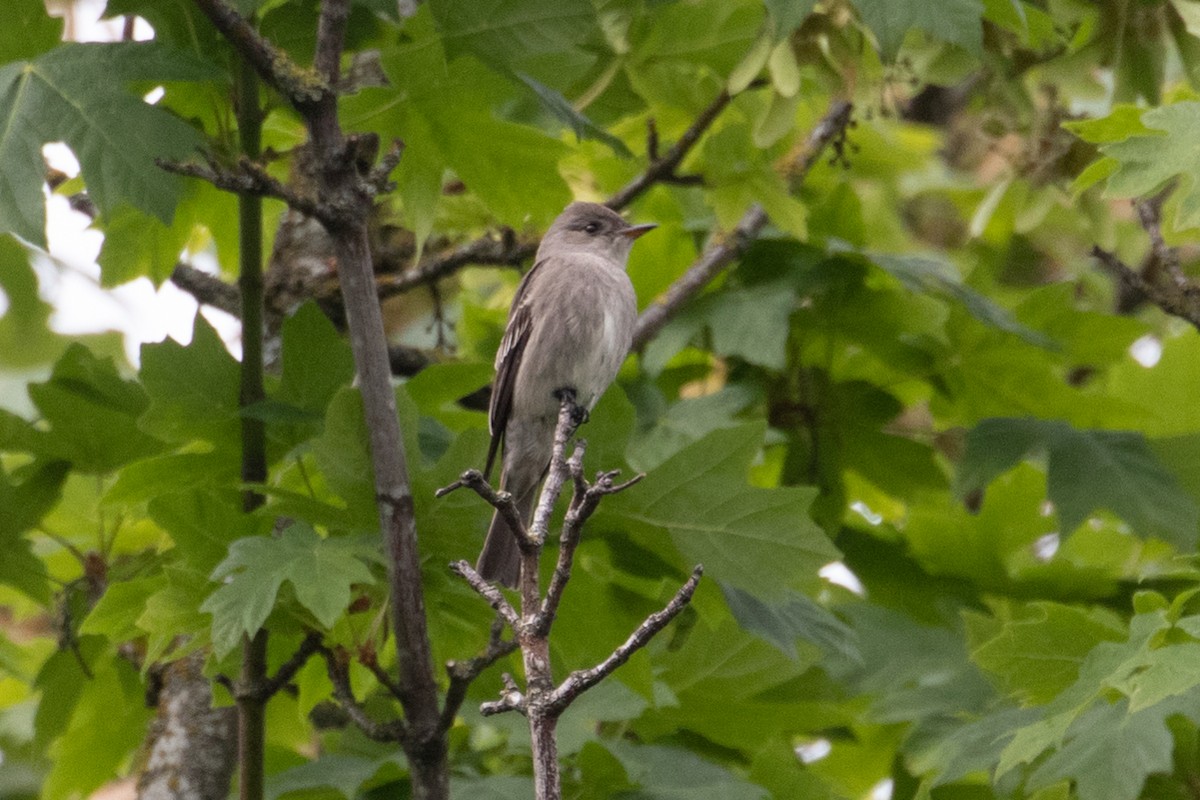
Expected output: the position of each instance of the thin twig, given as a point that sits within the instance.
(208, 289)
(511, 699)
(488, 592)
(506, 250)
(583, 505)
(580, 681)
(463, 673)
(723, 251)
(664, 168)
(339, 675)
(283, 676)
(1150, 215)
(379, 176)
(1180, 301)
(248, 178)
(503, 502)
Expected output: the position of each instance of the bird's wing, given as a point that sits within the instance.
(508, 362)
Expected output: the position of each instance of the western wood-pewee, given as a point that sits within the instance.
(569, 329)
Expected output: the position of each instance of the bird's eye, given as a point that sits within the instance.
(591, 227)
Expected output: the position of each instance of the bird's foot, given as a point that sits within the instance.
(579, 414)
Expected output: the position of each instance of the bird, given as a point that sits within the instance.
(568, 332)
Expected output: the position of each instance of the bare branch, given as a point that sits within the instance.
(569, 418)
(301, 87)
(379, 175)
(208, 289)
(463, 673)
(331, 38)
(248, 178)
(662, 169)
(1182, 301)
(501, 501)
(584, 502)
(511, 699)
(722, 252)
(506, 250)
(1150, 215)
(310, 645)
(339, 675)
(489, 592)
(580, 681)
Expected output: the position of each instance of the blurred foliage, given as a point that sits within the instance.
(916, 373)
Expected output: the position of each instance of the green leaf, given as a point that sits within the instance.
(28, 30)
(685, 422)
(172, 609)
(1148, 161)
(343, 773)
(1165, 672)
(193, 389)
(934, 276)
(93, 413)
(583, 128)
(506, 32)
(1109, 753)
(795, 616)
(667, 772)
(258, 566)
(73, 93)
(316, 360)
(953, 21)
(759, 540)
(1038, 651)
(750, 323)
(25, 337)
(511, 168)
(971, 747)
(786, 15)
(107, 723)
(27, 500)
(203, 523)
(1087, 470)
(115, 615)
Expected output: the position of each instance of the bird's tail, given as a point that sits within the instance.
(500, 559)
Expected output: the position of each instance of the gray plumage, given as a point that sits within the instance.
(570, 327)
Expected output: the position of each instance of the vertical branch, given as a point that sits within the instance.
(250, 702)
(347, 194)
(340, 183)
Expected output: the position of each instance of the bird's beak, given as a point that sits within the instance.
(634, 231)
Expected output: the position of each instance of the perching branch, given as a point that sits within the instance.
(723, 251)
(542, 702)
(583, 503)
